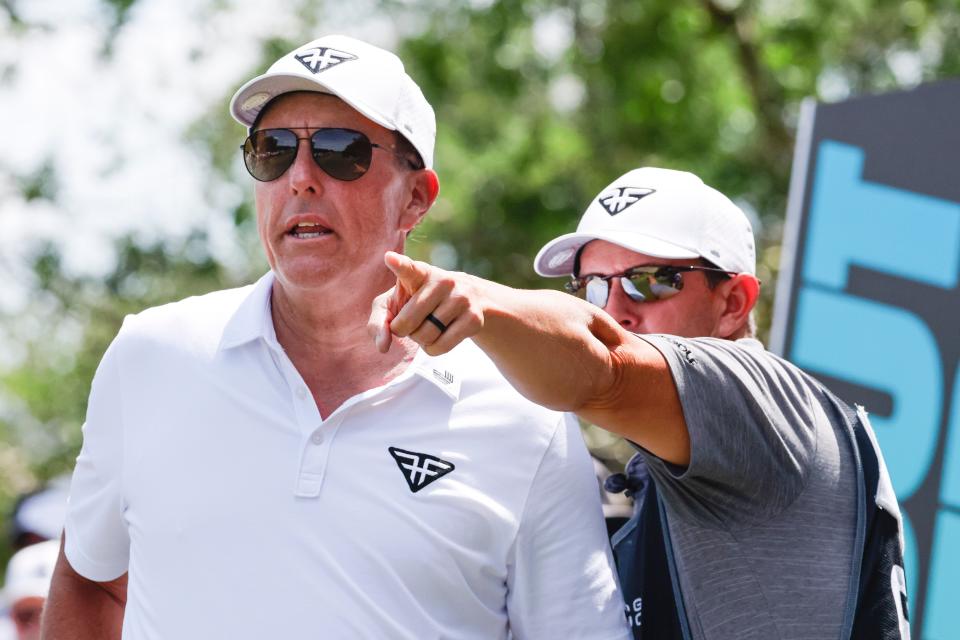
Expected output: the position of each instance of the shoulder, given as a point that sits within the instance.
(745, 359)
(746, 349)
(758, 431)
(195, 323)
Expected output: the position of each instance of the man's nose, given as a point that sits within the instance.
(620, 307)
(304, 175)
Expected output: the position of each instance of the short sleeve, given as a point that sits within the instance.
(753, 422)
(97, 540)
(561, 581)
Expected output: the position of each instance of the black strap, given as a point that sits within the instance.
(642, 563)
(880, 600)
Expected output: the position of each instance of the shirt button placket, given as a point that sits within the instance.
(313, 455)
(313, 459)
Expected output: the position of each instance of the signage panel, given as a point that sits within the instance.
(869, 302)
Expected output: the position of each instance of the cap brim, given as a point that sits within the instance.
(275, 84)
(556, 258)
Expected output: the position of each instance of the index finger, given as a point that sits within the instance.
(411, 275)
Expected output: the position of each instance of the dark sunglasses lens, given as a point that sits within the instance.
(342, 153)
(267, 153)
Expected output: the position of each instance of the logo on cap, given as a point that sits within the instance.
(561, 257)
(419, 469)
(619, 198)
(320, 59)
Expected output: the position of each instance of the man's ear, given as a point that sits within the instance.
(423, 189)
(739, 295)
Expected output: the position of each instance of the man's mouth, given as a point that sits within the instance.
(308, 230)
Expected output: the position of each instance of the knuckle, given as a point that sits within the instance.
(474, 317)
(446, 284)
(400, 328)
(460, 301)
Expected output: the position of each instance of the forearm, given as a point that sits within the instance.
(555, 349)
(80, 609)
(565, 354)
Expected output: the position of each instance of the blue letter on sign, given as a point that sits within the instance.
(885, 348)
(944, 592)
(875, 226)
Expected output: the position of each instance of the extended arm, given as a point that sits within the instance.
(557, 350)
(81, 609)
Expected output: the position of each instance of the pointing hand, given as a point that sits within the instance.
(437, 309)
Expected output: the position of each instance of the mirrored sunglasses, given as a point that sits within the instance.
(343, 154)
(646, 283)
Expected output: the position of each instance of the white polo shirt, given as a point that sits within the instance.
(440, 505)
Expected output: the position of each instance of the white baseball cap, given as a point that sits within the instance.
(661, 213)
(43, 513)
(368, 78)
(29, 572)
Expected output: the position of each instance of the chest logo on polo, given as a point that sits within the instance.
(619, 198)
(322, 58)
(420, 469)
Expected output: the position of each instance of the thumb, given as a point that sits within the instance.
(382, 311)
(411, 275)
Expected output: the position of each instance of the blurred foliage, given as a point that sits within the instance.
(539, 106)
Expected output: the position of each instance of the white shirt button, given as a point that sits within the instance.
(302, 393)
(316, 438)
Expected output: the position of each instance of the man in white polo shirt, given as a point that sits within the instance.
(253, 467)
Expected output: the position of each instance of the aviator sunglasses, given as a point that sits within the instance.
(343, 154)
(641, 284)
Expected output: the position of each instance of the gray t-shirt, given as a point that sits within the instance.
(762, 521)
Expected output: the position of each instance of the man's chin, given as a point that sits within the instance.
(307, 274)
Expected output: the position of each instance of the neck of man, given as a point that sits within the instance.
(324, 333)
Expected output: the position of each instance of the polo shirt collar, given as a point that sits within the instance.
(252, 318)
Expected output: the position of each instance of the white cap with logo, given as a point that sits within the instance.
(30, 571)
(370, 79)
(661, 213)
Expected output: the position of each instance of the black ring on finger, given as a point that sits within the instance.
(436, 322)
